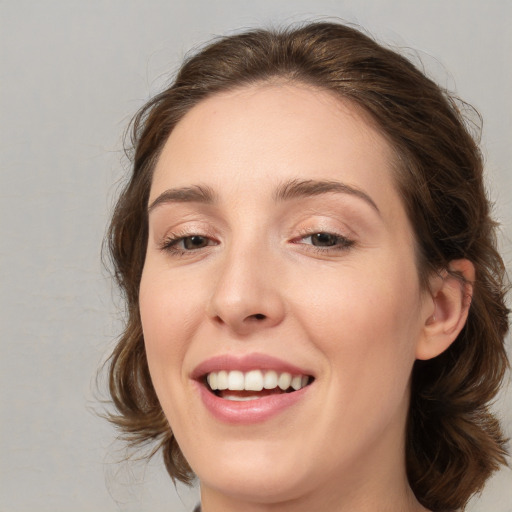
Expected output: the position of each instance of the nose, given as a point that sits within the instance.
(247, 296)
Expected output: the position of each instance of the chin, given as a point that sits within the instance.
(255, 475)
(257, 487)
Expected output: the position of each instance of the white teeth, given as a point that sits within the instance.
(270, 380)
(296, 382)
(212, 380)
(235, 398)
(236, 381)
(222, 380)
(284, 381)
(254, 380)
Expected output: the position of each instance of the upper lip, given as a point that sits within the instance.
(245, 363)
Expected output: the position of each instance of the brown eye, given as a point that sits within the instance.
(324, 239)
(179, 245)
(194, 242)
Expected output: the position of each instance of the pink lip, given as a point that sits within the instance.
(250, 411)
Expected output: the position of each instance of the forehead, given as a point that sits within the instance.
(268, 133)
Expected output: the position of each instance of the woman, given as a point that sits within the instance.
(315, 301)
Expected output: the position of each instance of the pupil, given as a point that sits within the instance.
(323, 239)
(194, 242)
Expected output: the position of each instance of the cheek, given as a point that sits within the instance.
(368, 326)
(167, 323)
(167, 309)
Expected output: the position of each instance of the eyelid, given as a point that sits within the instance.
(323, 224)
(346, 241)
(170, 245)
(173, 235)
(183, 227)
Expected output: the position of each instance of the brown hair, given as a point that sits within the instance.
(453, 442)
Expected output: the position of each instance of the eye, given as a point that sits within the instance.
(182, 244)
(194, 242)
(325, 241)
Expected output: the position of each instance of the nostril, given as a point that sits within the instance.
(259, 316)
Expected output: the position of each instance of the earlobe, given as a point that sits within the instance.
(451, 292)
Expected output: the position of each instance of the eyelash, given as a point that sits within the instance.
(342, 243)
(171, 242)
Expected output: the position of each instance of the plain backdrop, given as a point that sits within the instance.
(71, 75)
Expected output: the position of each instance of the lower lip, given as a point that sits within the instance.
(249, 411)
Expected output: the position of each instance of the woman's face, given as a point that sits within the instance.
(279, 248)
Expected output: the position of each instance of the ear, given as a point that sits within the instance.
(450, 299)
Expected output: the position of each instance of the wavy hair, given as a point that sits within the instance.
(453, 441)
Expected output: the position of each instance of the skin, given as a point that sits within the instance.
(352, 314)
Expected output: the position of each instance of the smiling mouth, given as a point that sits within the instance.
(240, 386)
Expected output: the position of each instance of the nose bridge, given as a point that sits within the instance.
(246, 295)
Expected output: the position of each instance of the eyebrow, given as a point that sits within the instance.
(295, 189)
(192, 194)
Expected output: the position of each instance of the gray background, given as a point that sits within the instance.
(71, 75)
